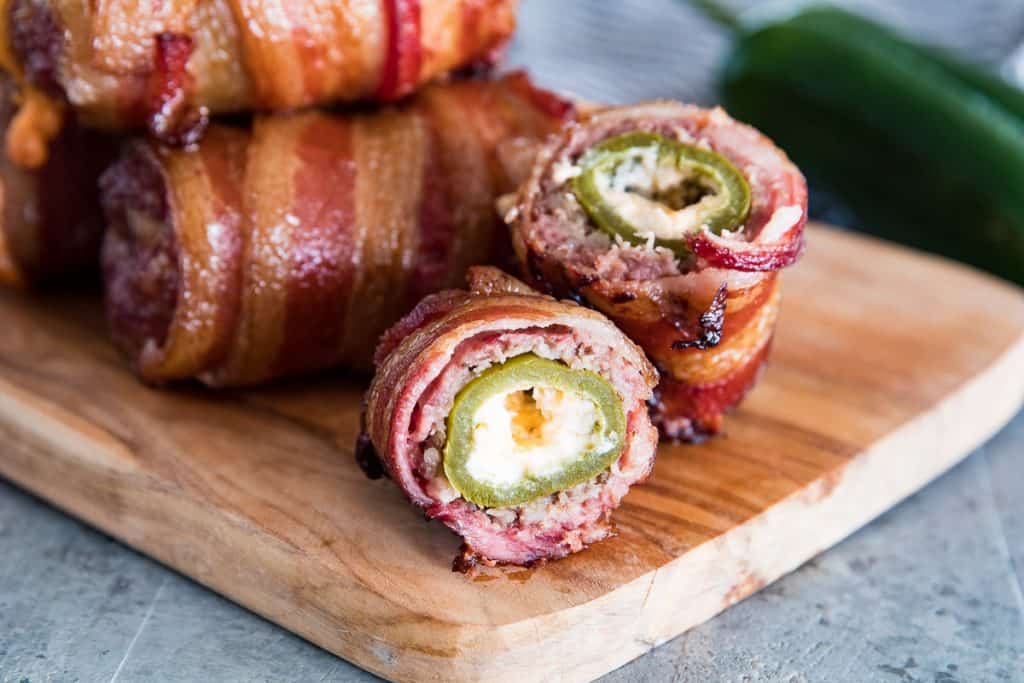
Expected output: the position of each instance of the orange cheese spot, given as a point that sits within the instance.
(37, 122)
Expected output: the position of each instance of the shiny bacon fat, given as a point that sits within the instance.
(291, 245)
(170, 65)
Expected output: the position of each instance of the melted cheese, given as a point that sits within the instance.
(646, 173)
(654, 219)
(563, 171)
(38, 121)
(515, 437)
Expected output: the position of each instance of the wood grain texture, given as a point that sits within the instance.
(888, 368)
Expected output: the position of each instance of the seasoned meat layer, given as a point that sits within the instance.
(620, 213)
(454, 339)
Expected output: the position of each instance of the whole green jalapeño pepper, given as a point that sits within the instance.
(641, 185)
(513, 383)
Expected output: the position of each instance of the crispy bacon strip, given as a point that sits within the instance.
(705, 321)
(403, 61)
(428, 356)
(292, 246)
(169, 115)
(107, 58)
(50, 222)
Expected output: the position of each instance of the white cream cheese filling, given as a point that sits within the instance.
(646, 172)
(523, 434)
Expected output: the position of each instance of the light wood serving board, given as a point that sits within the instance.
(889, 367)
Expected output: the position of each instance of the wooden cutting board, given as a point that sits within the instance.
(889, 367)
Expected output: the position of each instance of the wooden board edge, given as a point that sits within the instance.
(587, 641)
(89, 474)
(576, 644)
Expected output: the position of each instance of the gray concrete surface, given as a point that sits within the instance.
(929, 592)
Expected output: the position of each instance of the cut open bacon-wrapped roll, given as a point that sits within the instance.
(169, 64)
(672, 220)
(517, 420)
(291, 246)
(50, 219)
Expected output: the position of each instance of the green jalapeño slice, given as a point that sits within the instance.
(643, 185)
(531, 427)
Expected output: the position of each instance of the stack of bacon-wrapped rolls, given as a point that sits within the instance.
(248, 233)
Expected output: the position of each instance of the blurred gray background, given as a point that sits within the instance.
(930, 592)
(626, 50)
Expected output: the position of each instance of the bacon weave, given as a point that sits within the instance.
(291, 246)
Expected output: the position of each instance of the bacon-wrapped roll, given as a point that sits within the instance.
(50, 222)
(672, 220)
(517, 420)
(170, 63)
(292, 246)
